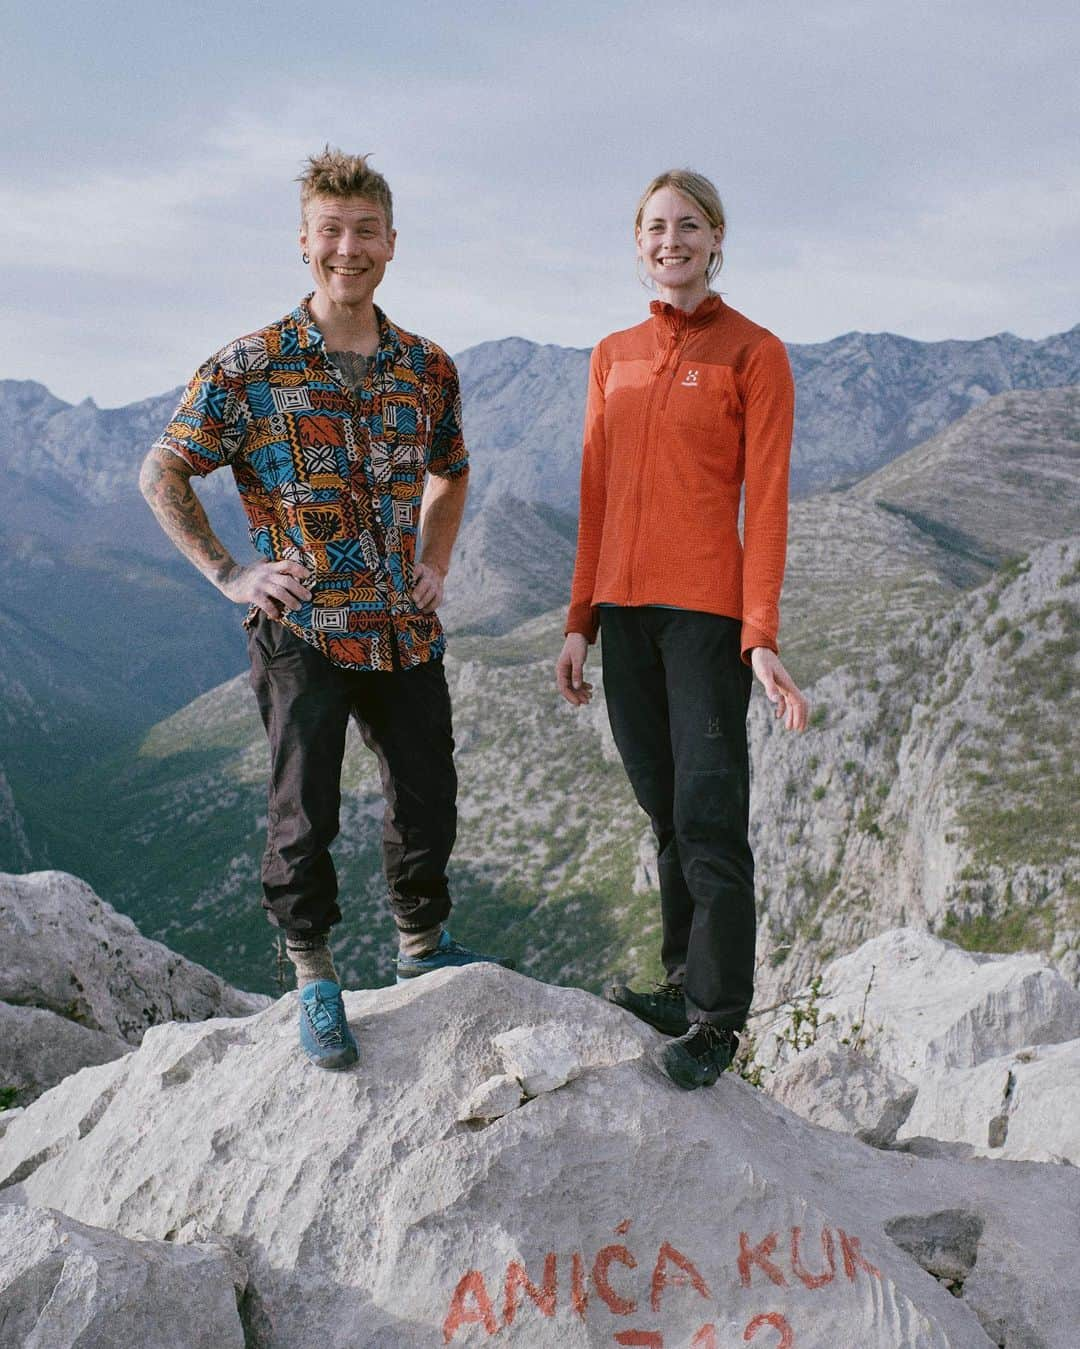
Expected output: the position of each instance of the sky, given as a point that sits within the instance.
(903, 167)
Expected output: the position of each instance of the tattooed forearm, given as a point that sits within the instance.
(165, 482)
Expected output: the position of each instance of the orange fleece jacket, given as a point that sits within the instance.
(683, 410)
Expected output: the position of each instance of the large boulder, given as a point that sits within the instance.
(911, 1039)
(1021, 1105)
(840, 1088)
(925, 1006)
(64, 1285)
(67, 951)
(380, 1207)
(41, 1048)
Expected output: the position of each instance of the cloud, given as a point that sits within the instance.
(875, 177)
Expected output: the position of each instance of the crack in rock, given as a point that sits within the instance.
(998, 1129)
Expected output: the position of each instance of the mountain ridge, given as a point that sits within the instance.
(863, 398)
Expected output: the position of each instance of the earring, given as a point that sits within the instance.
(646, 281)
(305, 257)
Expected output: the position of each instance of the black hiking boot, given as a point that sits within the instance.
(664, 1008)
(697, 1058)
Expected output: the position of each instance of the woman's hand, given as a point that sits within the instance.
(569, 670)
(780, 688)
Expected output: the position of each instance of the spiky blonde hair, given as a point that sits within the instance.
(336, 174)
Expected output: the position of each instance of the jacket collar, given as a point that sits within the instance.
(668, 317)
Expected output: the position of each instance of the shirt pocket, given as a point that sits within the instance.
(703, 429)
(704, 398)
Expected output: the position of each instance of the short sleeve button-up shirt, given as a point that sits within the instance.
(330, 478)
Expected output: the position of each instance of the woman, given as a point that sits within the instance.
(684, 412)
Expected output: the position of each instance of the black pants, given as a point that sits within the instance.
(305, 702)
(677, 693)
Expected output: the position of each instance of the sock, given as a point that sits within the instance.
(312, 959)
(414, 944)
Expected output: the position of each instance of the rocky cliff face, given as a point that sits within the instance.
(911, 1042)
(15, 852)
(80, 985)
(936, 785)
(589, 1202)
(868, 563)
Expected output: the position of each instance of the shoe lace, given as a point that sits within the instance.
(704, 1037)
(325, 1019)
(669, 992)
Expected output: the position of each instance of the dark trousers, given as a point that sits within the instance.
(404, 717)
(677, 693)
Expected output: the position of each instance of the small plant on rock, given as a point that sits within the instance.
(802, 1028)
(856, 1034)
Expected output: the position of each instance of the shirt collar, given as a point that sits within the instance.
(311, 338)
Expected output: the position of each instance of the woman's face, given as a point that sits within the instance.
(675, 242)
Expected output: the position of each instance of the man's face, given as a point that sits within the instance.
(349, 245)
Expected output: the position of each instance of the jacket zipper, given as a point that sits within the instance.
(661, 385)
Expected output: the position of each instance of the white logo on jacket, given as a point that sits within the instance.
(690, 382)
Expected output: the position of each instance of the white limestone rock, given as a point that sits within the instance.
(1021, 1105)
(541, 1058)
(64, 1285)
(69, 952)
(492, 1099)
(38, 1048)
(365, 1213)
(8, 1117)
(841, 1088)
(933, 1007)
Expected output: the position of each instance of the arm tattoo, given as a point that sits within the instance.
(167, 489)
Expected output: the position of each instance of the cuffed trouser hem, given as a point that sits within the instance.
(306, 941)
(443, 910)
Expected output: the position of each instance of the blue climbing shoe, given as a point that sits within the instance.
(325, 1036)
(446, 955)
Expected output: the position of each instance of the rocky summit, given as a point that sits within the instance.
(506, 1164)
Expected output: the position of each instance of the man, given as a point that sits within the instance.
(332, 420)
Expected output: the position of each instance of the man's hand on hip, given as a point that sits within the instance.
(276, 588)
(429, 584)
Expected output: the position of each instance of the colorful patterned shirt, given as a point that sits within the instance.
(330, 478)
